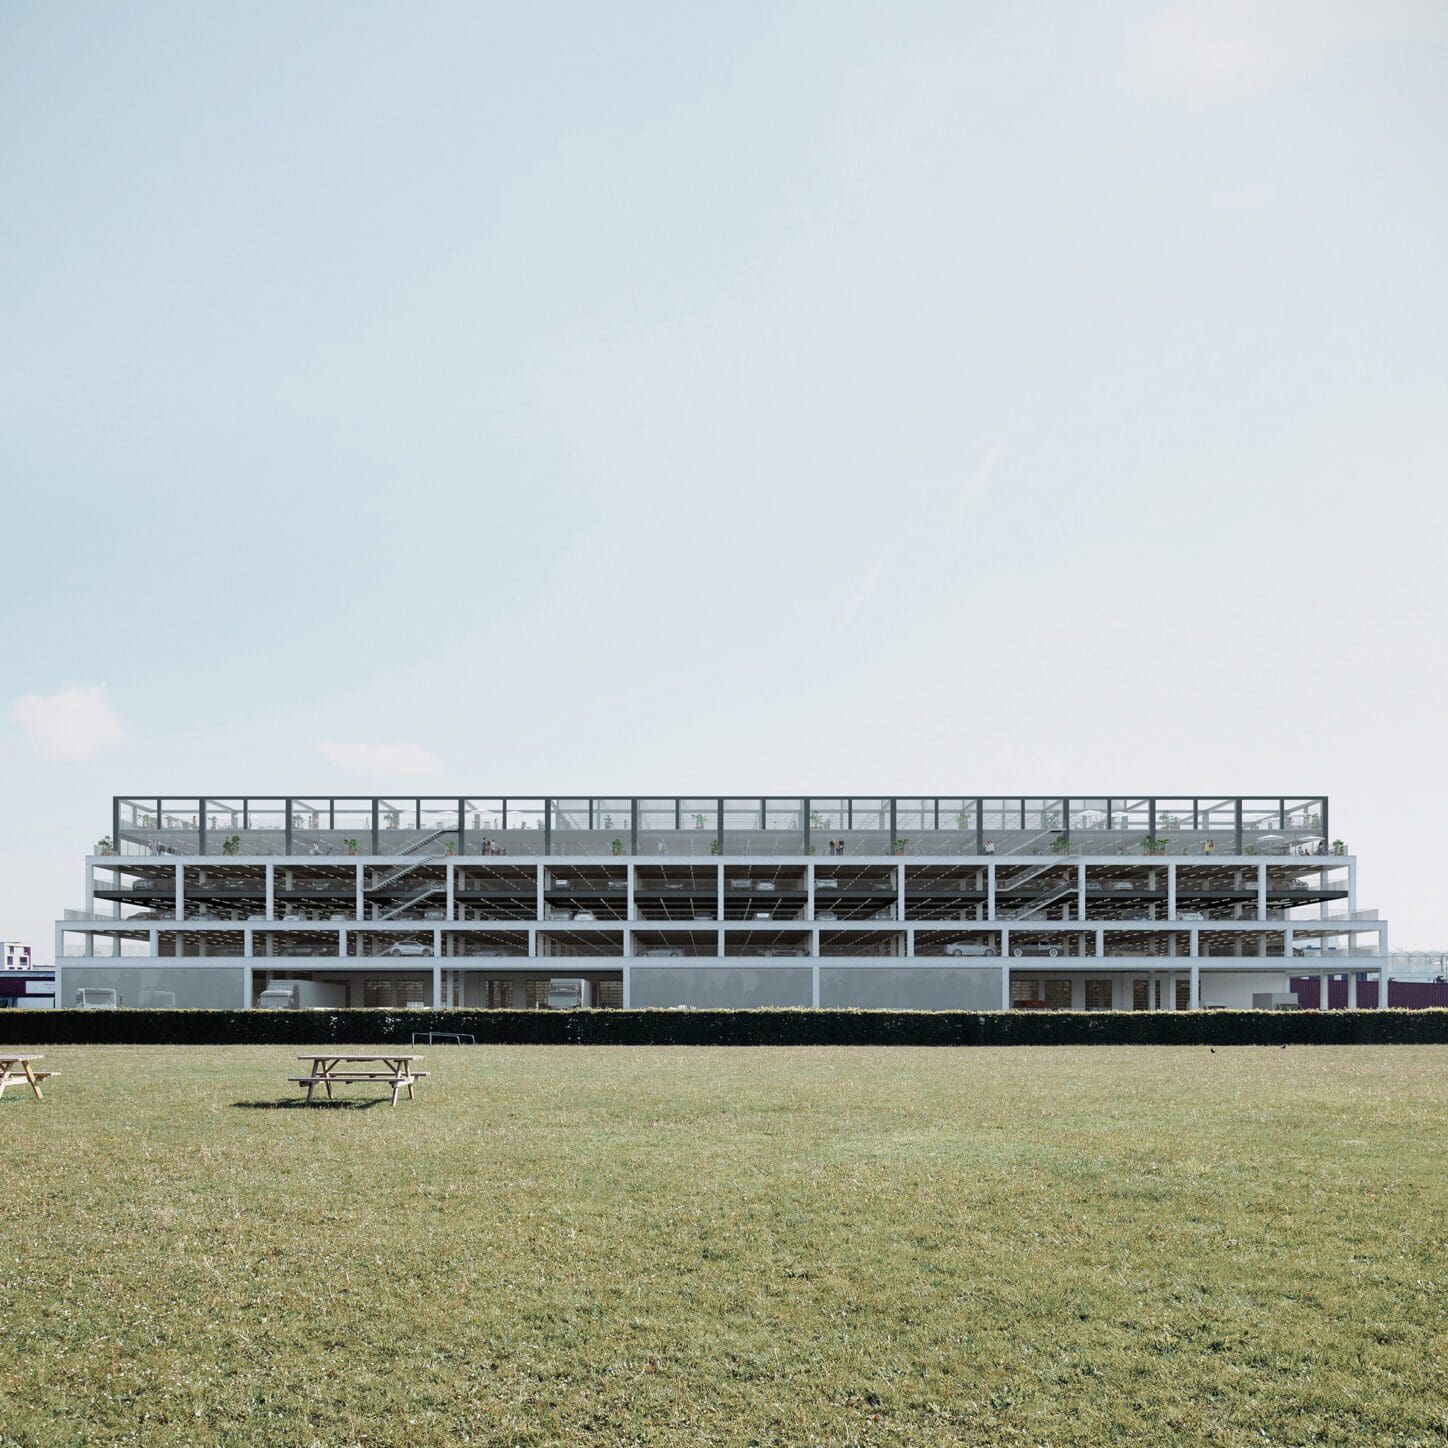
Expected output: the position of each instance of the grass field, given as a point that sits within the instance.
(663, 1245)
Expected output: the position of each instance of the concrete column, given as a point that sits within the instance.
(809, 903)
(1194, 1000)
(520, 993)
(1080, 892)
(630, 911)
(627, 988)
(452, 890)
(814, 980)
(909, 942)
(1383, 989)
(271, 892)
(180, 892)
(246, 945)
(1168, 995)
(1352, 976)
(1322, 981)
(361, 898)
(436, 984)
(990, 884)
(1100, 942)
(1171, 905)
(900, 893)
(1351, 887)
(1005, 982)
(719, 908)
(1261, 892)
(541, 904)
(342, 942)
(247, 987)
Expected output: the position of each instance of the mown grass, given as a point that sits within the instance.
(833, 1246)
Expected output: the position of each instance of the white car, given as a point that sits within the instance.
(1190, 915)
(658, 951)
(765, 885)
(826, 915)
(584, 915)
(408, 948)
(966, 947)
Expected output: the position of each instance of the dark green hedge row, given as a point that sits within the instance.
(732, 1028)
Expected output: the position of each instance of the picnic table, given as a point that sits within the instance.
(18, 1071)
(329, 1070)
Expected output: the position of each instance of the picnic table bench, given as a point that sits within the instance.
(18, 1071)
(332, 1070)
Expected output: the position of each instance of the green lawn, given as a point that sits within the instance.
(770, 1246)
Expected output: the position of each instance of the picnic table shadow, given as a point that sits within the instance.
(293, 1103)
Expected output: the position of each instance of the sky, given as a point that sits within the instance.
(812, 398)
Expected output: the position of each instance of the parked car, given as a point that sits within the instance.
(1036, 949)
(408, 948)
(826, 915)
(783, 951)
(966, 947)
(1190, 915)
(584, 915)
(657, 952)
(764, 885)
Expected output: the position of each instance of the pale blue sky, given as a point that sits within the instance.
(650, 398)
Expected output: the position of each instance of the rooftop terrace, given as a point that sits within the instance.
(674, 825)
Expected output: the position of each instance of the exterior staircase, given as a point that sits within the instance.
(1041, 902)
(415, 859)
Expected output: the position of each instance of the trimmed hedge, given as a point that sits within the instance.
(731, 1028)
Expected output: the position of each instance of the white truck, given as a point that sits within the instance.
(303, 995)
(565, 995)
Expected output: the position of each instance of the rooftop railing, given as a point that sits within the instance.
(678, 826)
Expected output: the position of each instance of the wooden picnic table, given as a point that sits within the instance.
(330, 1069)
(18, 1071)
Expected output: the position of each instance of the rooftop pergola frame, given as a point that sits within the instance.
(674, 827)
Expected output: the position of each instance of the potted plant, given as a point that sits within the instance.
(231, 845)
(351, 846)
(104, 846)
(1153, 846)
(713, 847)
(451, 847)
(1339, 847)
(698, 822)
(898, 847)
(616, 845)
(1060, 845)
(1250, 850)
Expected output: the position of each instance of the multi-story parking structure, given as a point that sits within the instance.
(1094, 903)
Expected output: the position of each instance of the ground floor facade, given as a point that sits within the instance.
(733, 984)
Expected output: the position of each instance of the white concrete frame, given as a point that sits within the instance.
(900, 936)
